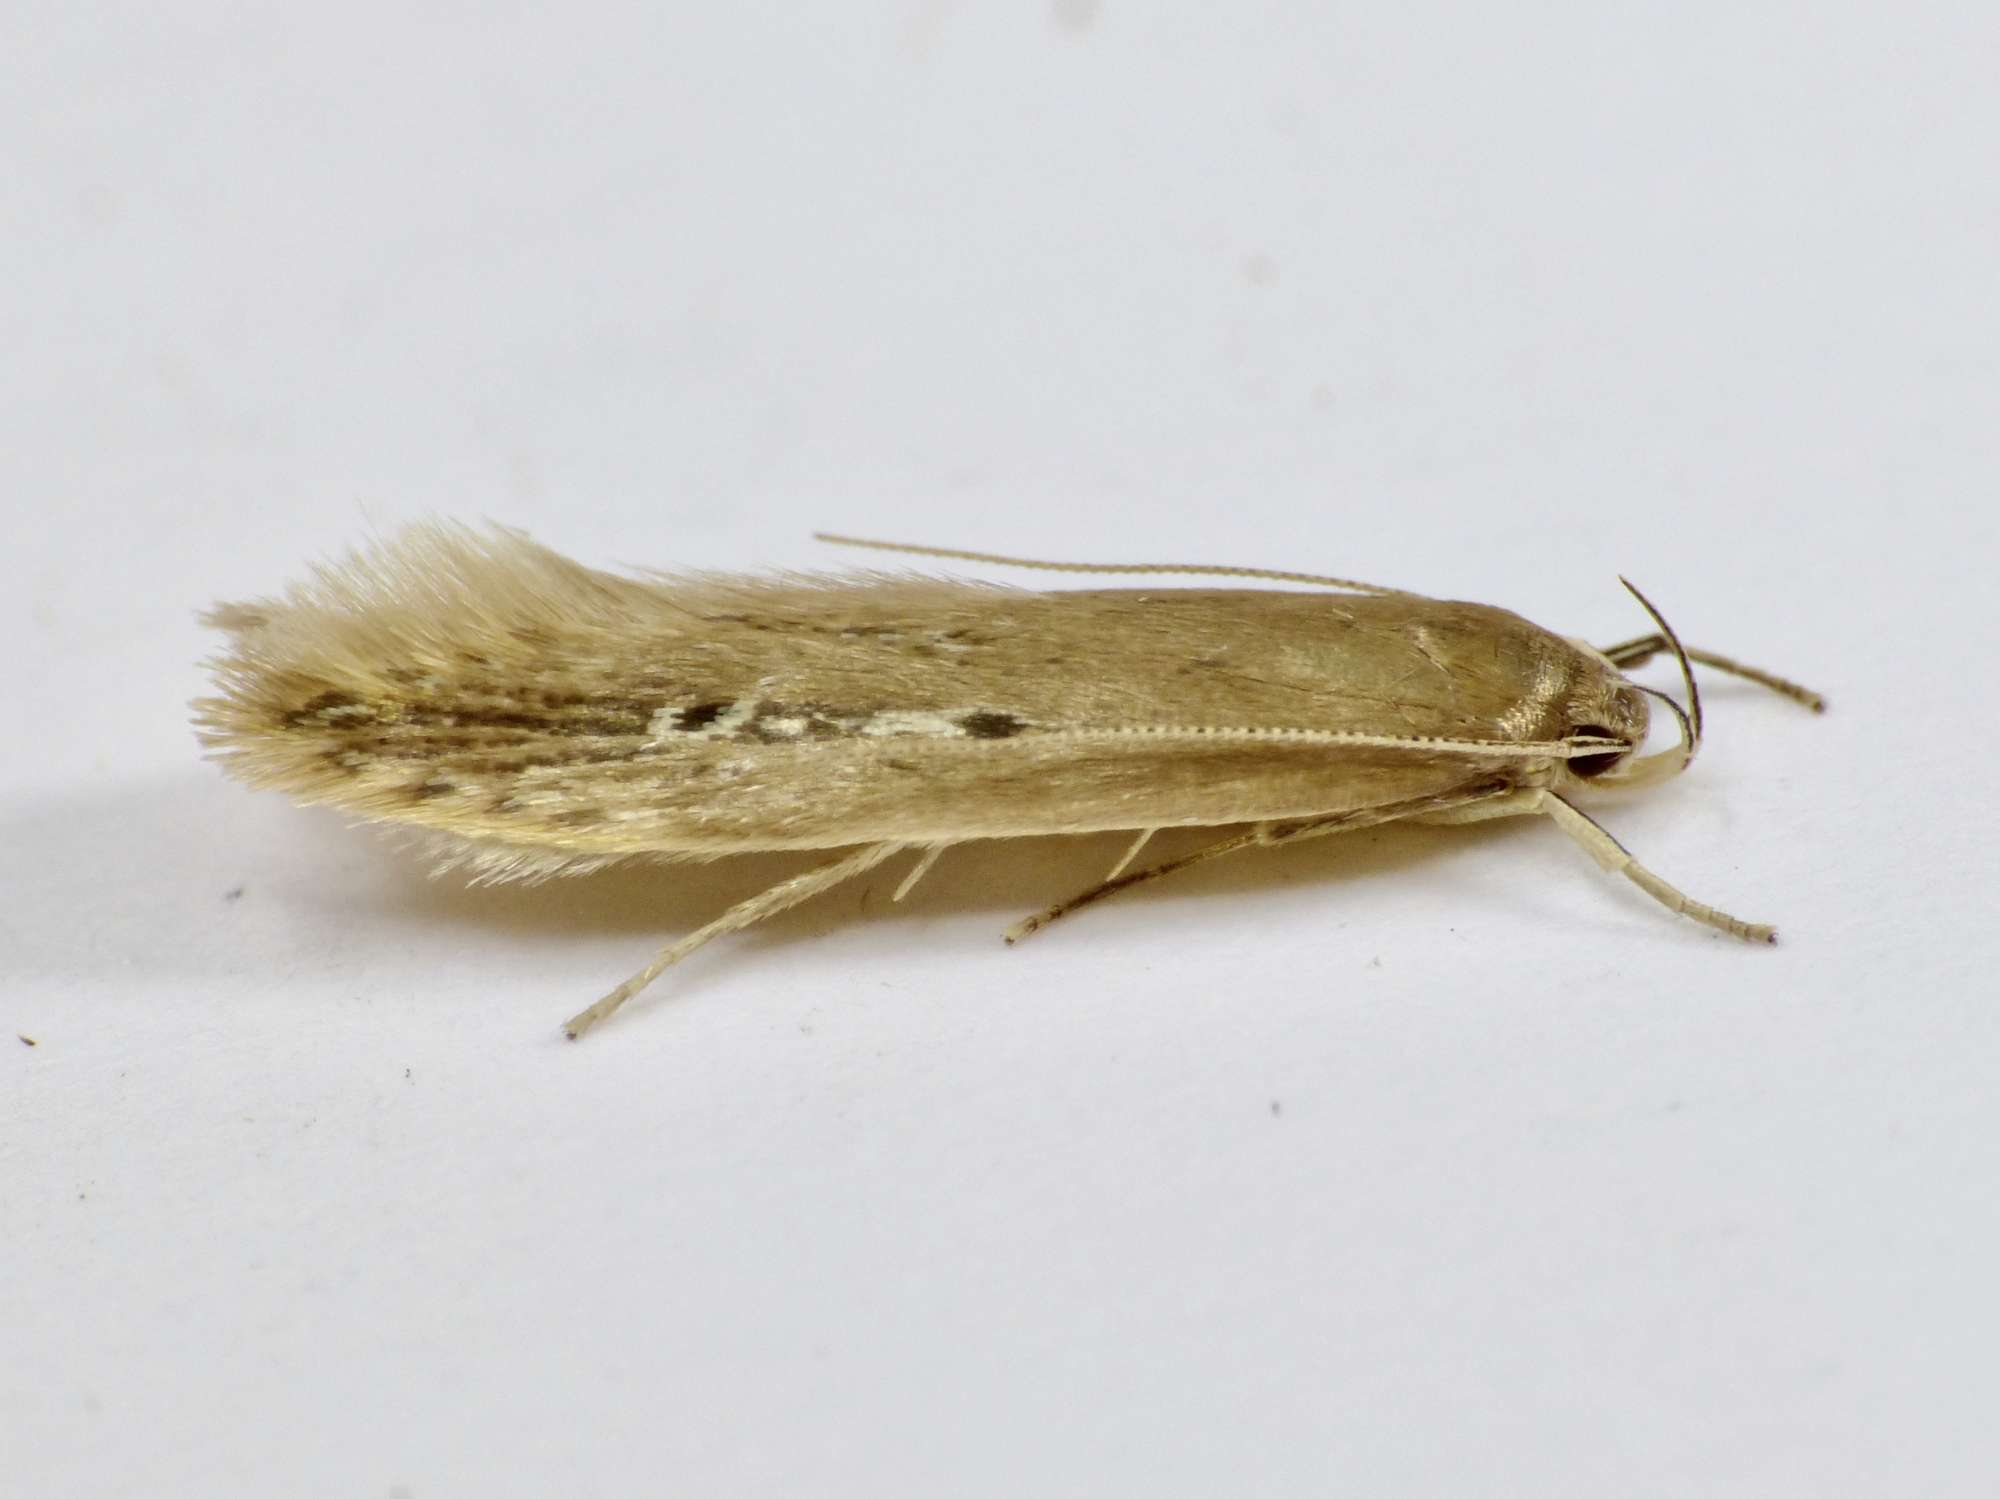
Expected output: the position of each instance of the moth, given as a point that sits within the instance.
(532, 717)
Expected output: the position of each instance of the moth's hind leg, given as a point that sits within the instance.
(1259, 835)
(780, 897)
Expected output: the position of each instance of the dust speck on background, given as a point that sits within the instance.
(1260, 269)
(1075, 15)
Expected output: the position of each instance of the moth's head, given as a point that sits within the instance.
(1627, 716)
(1609, 719)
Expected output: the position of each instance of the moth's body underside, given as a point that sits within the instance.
(538, 717)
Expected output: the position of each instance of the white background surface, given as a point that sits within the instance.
(1427, 1162)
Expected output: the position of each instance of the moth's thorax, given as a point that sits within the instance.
(1483, 672)
(1438, 666)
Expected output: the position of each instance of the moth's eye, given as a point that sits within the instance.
(1593, 765)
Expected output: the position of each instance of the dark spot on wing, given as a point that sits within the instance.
(988, 725)
(700, 716)
(434, 713)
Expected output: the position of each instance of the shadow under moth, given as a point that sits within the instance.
(533, 717)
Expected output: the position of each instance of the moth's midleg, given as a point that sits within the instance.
(919, 869)
(780, 897)
(1639, 651)
(1028, 925)
(1261, 835)
(1615, 857)
(1125, 859)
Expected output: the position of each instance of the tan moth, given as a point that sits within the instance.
(535, 717)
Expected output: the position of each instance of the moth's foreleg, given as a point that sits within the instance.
(780, 897)
(1614, 856)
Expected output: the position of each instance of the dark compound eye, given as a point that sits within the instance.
(1593, 765)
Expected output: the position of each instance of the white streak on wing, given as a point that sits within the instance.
(925, 723)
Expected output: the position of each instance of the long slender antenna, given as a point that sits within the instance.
(1691, 741)
(1267, 574)
(1638, 652)
(1680, 721)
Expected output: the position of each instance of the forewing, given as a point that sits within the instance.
(480, 685)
